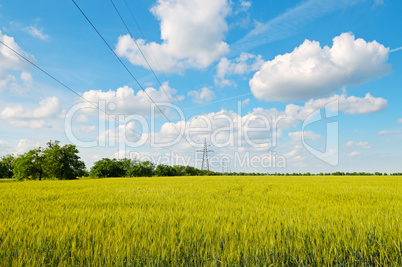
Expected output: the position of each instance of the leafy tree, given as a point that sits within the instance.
(62, 162)
(141, 169)
(52, 162)
(191, 171)
(109, 168)
(30, 165)
(180, 170)
(3, 170)
(165, 170)
(6, 166)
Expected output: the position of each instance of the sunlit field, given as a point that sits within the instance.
(208, 221)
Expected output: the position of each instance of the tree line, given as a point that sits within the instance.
(134, 168)
(51, 162)
(63, 163)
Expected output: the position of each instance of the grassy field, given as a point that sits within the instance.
(208, 221)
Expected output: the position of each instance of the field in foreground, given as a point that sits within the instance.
(206, 221)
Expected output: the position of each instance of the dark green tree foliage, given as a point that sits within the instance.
(3, 170)
(6, 166)
(53, 162)
(141, 169)
(165, 170)
(180, 170)
(62, 162)
(191, 171)
(110, 168)
(30, 166)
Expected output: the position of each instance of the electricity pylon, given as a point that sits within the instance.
(205, 161)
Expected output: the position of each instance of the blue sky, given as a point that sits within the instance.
(252, 70)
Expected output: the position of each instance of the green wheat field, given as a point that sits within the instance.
(203, 221)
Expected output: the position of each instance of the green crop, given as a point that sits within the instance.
(203, 221)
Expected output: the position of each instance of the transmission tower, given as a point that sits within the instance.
(205, 161)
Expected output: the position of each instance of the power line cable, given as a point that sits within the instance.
(45, 72)
(80, 96)
(139, 48)
(124, 65)
(143, 36)
(71, 90)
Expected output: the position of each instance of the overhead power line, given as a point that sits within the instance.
(139, 48)
(42, 70)
(143, 36)
(124, 65)
(71, 90)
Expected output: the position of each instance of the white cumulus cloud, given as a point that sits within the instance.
(311, 71)
(202, 96)
(17, 115)
(13, 70)
(361, 105)
(351, 105)
(192, 34)
(24, 145)
(125, 100)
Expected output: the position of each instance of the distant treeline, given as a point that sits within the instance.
(135, 168)
(337, 174)
(63, 163)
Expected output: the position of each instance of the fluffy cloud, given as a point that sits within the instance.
(400, 121)
(124, 133)
(259, 126)
(126, 101)
(122, 154)
(350, 105)
(37, 33)
(192, 34)
(202, 96)
(24, 145)
(17, 115)
(271, 122)
(364, 145)
(13, 70)
(312, 71)
(358, 105)
(259, 131)
(243, 64)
